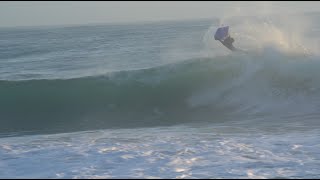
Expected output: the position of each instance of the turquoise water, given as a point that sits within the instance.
(160, 100)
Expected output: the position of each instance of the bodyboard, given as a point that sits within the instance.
(221, 33)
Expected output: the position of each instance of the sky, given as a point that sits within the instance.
(37, 13)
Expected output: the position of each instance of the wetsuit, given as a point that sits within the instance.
(228, 43)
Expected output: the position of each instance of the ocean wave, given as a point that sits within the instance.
(211, 89)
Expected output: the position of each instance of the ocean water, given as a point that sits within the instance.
(161, 100)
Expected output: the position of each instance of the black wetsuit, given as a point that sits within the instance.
(228, 43)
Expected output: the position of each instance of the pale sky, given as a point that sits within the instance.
(34, 13)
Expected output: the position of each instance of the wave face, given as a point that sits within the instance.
(252, 87)
(126, 76)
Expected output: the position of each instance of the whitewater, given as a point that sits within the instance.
(161, 100)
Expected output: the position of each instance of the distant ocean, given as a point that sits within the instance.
(161, 100)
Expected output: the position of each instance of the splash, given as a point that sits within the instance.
(265, 32)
